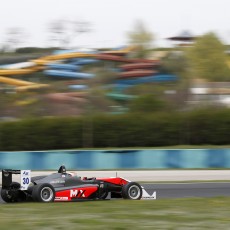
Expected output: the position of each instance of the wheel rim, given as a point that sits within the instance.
(47, 194)
(134, 192)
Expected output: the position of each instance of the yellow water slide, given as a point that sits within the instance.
(56, 57)
(16, 82)
(9, 72)
(122, 51)
(51, 58)
(22, 85)
(33, 86)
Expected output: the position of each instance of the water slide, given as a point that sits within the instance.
(155, 78)
(52, 58)
(120, 96)
(15, 82)
(70, 67)
(20, 68)
(20, 65)
(141, 60)
(22, 85)
(9, 72)
(78, 87)
(31, 87)
(79, 50)
(83, 61)
(109, 57)
(136, 73)
(123, 84)
(38, 64)
(68, 74)
(140, 65)
(55, 67)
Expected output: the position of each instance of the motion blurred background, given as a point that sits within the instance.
(113, 74)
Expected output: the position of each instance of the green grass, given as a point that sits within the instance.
(189, 213)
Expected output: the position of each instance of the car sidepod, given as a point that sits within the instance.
(82, 192)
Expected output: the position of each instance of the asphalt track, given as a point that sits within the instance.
(163, 181)
(150, 175)
(185, 190)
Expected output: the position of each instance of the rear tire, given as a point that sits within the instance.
(11, 195)
(43, 193)
(6, 197)
(132, 191)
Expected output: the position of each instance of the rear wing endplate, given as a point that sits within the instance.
(25, 178)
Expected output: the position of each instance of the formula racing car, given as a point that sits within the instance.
(64, 186)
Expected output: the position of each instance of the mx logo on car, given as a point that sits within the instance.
(77, 193)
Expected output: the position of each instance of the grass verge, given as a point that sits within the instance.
(189, 213)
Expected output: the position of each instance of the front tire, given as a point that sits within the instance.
(132, 191)
(43, 193)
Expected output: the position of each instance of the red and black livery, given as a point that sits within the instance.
(64, 186)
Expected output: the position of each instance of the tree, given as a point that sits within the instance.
(15, 36)
(175, 63)
(148, 103)
(208, 60)
(57, 31)
(142, 38)
(63, 32)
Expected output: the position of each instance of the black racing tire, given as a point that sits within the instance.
(43, 193)
(15, 185)
(132, 191)
(8, 196)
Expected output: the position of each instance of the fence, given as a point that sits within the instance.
(117, 159)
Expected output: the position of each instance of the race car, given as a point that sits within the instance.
(64, 186)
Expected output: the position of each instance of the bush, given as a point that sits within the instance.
(27, 50)
(128, 130)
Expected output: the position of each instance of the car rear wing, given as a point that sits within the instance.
(25, 178)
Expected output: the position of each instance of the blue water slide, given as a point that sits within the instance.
(165, 77)
(121, 87)
(121, 96)
(115, 70)
(155, 78)
(78, 87)
(63, 66)
(83, 61)
(85, 51)
(119, 48)
(68, 74)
